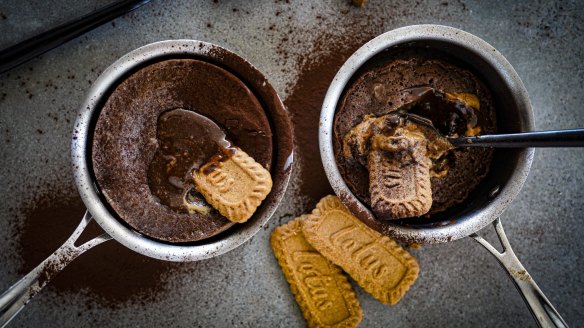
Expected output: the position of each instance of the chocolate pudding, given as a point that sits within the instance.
(161, 123)
(450, 98)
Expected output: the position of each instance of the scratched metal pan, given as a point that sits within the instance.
(508, 170)
(14, 299)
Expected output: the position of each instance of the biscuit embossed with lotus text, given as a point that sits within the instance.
(399, 176)
(323, 292)
(377, 263)
(235, 184)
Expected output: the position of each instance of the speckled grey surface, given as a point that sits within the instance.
(460, 285)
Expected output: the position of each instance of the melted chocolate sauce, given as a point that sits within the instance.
(214, 162)
(186, 141)
(427, 110)
(448, 114)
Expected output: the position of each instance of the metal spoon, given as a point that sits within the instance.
(551, 138)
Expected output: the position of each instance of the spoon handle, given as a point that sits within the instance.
(552, 138)
(35, 46)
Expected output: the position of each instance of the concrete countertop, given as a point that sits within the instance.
(460, 284)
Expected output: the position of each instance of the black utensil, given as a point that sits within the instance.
(35, 46)
(551, 138)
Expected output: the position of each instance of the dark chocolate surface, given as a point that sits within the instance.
(381, 90)
(126, 141)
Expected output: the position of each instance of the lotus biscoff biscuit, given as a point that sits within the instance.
(322, 291)
(377, 263)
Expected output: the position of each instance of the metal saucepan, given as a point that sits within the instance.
(509, 168)
(14, 299)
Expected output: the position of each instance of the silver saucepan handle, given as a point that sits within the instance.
(17, 296)
(541, 308)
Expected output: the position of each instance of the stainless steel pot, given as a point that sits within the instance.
(14, 299)
(509, 168)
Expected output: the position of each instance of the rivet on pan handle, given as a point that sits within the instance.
(541, 308)
(17, 296)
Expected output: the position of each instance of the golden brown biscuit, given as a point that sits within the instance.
(378, 264)
(399, 176)
(323, 292)
(234, 184)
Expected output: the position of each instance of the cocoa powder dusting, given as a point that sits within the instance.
(111, 273)
(305, 100)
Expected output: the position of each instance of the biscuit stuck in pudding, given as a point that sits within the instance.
(399, 175)
(398, 154)
(233, 183)
(377, 263)
(320, 288)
